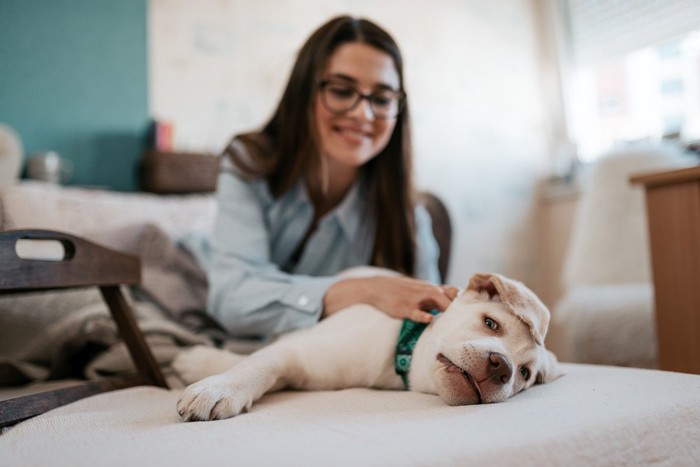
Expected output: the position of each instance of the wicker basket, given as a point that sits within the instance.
(178, 172)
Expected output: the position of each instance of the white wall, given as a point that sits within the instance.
(217, 67)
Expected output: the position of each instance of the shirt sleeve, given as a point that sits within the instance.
(427, 249)
(248, 294)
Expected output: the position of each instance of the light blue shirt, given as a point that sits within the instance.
(255, 288)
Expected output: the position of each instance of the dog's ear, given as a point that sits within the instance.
(482, 283)
(550, 370)
(517, 299)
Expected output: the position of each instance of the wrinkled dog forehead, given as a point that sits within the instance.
(516, 298)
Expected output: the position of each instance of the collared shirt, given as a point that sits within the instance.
(256, 288)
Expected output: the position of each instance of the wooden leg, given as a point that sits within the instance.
(130, 332)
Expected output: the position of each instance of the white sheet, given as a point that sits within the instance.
(595, 415)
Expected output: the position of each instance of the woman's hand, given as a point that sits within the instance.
(398, 296)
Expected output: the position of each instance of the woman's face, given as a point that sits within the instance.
(349, 139)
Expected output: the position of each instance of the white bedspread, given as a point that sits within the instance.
(595, 415)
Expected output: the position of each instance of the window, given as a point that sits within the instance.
(645, 94)
(634, 73)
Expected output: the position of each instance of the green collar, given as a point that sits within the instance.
(410, 332)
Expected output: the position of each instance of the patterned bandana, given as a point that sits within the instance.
(410, 332)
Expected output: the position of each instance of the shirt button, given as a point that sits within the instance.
(303, 300)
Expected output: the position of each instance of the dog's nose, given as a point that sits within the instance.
(500, 369)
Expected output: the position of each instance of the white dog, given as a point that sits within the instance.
(487, 346)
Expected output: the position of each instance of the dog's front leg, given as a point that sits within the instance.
(233, 392)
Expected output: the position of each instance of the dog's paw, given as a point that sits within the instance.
(200, 361)
(214, 398)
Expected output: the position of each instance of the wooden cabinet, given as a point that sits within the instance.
(178, 172)
(673, 208)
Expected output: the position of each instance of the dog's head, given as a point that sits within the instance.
(490, 343)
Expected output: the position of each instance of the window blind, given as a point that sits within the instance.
(604, 29)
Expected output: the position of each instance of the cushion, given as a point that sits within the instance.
(592, 415)
(609, 243)
(609, 324)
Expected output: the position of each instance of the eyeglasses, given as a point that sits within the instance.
(340, 98)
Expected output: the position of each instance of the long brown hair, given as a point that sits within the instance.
(287, 145)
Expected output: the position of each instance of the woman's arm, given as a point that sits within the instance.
(248, 294)
(398, 296)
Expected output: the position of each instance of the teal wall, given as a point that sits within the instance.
(74, 79)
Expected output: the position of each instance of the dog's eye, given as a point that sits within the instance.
(491, 324)
(525, 372)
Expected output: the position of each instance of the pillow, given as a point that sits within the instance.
(82, 211)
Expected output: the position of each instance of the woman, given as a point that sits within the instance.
(325, 186)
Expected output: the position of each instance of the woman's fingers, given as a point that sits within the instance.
(438, 298)
(420, 316)
(427, 298)
(431, 298)
(450, 291)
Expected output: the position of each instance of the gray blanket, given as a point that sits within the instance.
(70, 333)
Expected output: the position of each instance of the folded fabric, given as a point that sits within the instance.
(61, 334)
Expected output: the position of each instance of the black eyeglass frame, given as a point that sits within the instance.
(400, 95)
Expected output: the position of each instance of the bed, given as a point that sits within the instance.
(593, 415)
